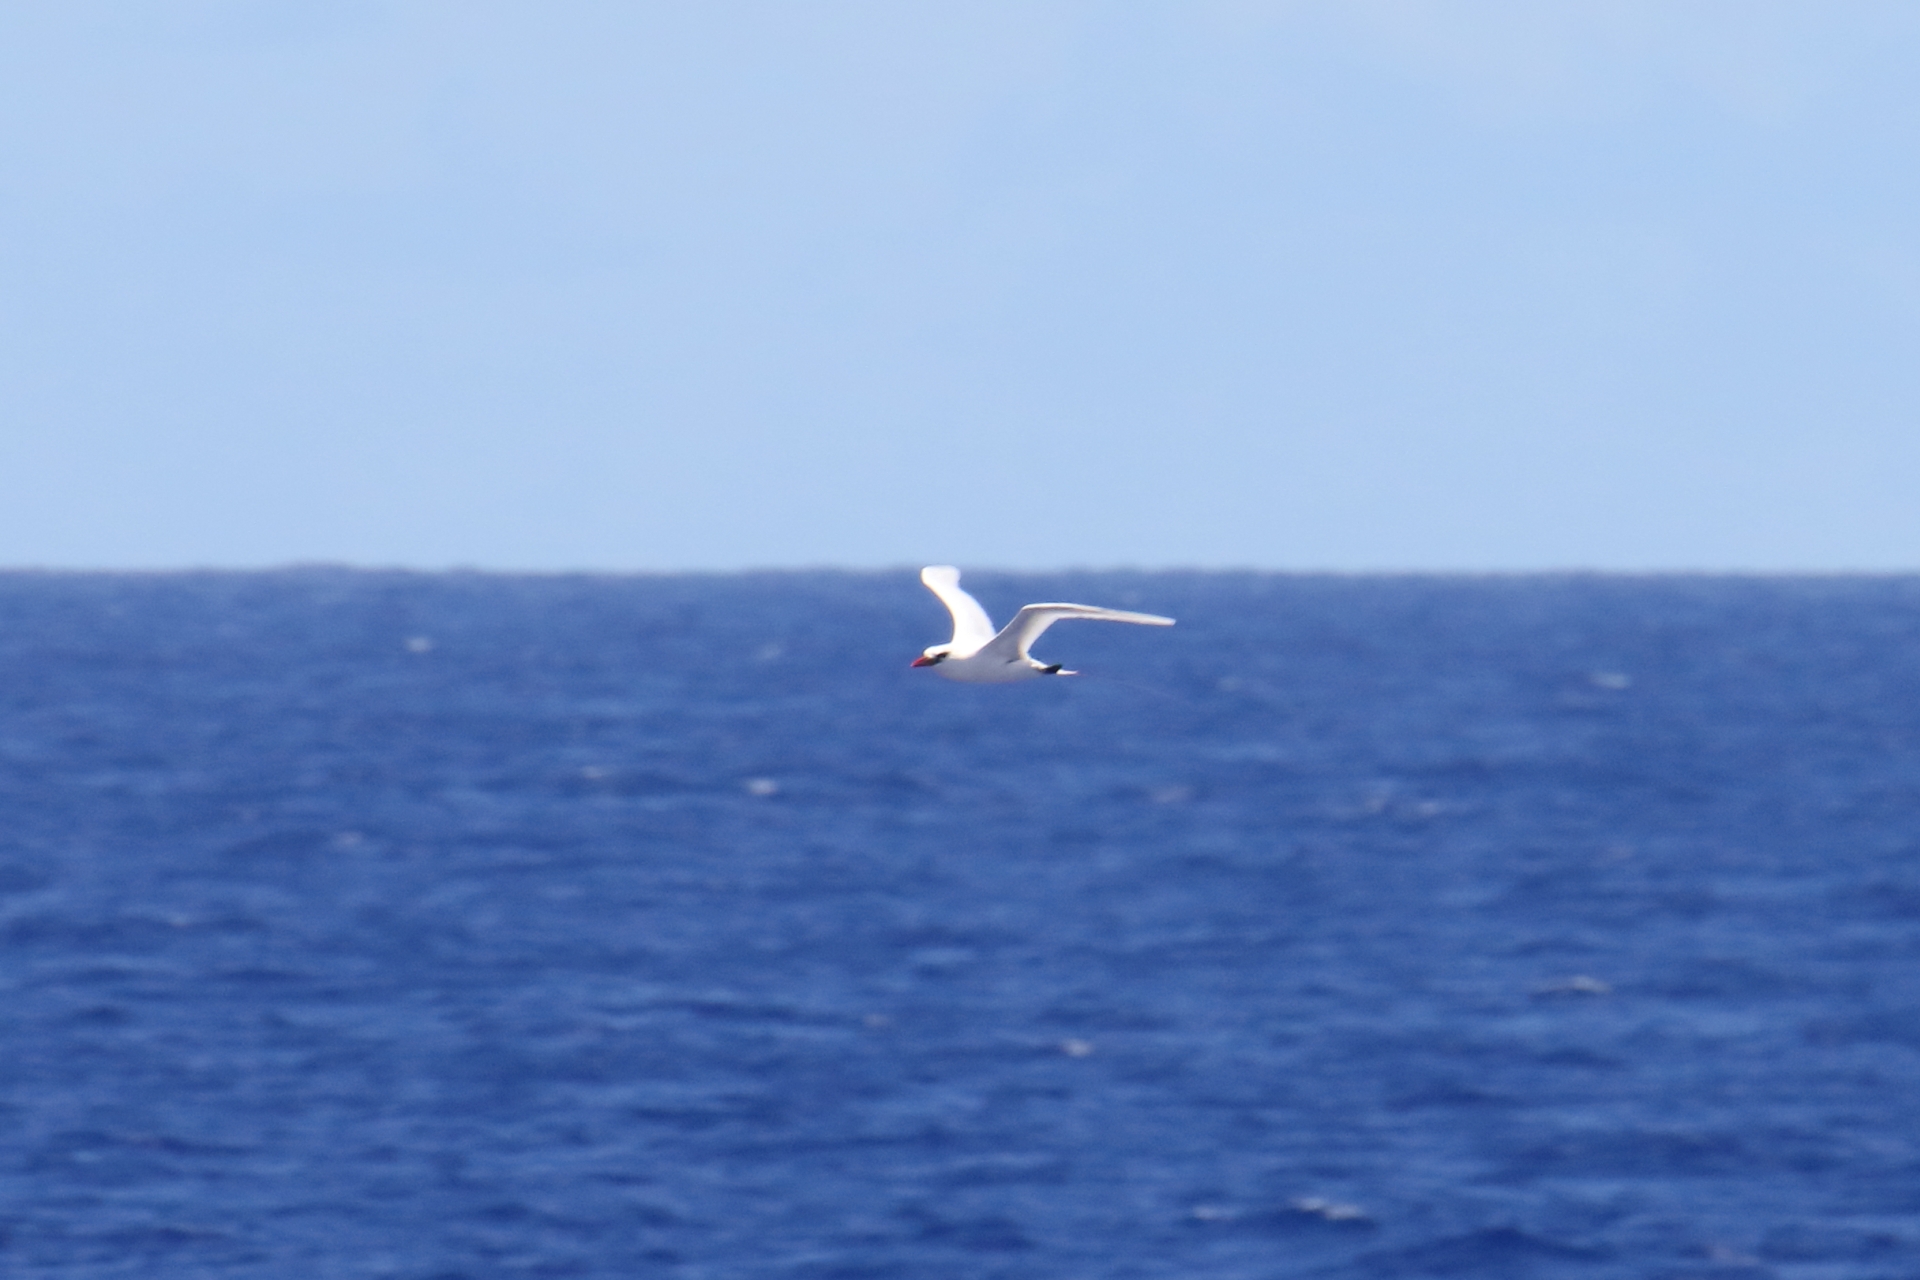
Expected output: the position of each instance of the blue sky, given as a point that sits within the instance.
(1354, 286)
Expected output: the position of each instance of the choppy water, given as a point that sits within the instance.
(437, 926)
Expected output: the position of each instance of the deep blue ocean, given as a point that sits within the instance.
(390, 925)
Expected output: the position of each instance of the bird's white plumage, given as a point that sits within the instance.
(1015, 638)
(977, 655)
(972, 628)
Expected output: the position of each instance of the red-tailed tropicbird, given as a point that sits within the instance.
(976, 655)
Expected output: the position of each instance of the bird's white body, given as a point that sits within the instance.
(978, 654)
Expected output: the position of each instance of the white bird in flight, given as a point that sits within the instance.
(976, 655)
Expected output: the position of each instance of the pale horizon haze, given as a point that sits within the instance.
(1376, 285)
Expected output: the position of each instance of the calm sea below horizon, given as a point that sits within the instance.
(369, 924)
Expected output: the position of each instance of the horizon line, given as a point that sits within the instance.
(910, 567)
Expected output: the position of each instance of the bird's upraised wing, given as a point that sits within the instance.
(1013, 640)
(971, 626)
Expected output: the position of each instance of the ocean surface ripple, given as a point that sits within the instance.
(432, 926)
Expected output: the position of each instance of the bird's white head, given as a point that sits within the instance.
(934, 655)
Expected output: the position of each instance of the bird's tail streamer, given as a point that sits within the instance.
(1137, 687)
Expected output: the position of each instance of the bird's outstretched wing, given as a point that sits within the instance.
(971, 626)
(1013, 640)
